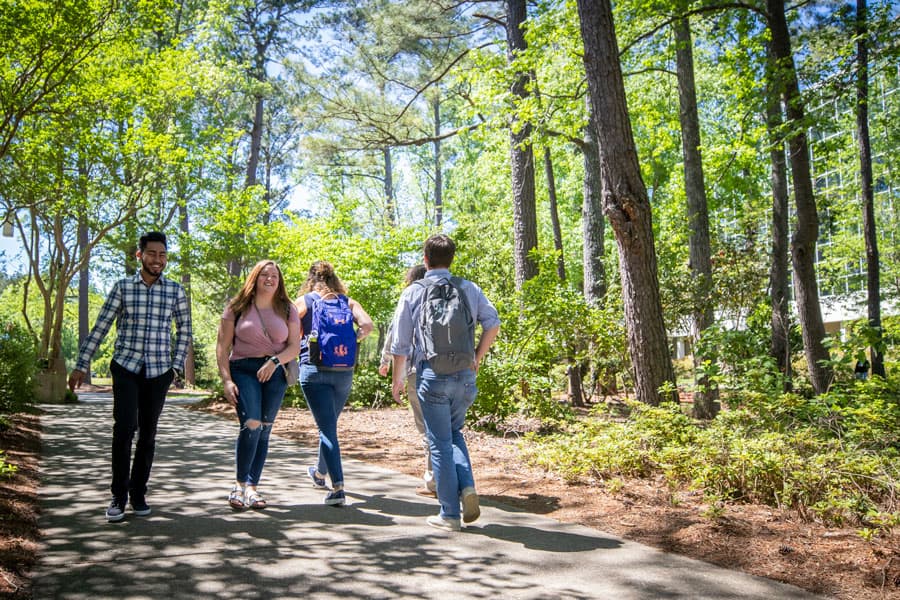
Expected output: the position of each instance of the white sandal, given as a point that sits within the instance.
(236, 498)
(255, 500)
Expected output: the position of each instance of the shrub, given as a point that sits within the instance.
(369, 388)
(18, 368)
(6, 469)
(834, 457)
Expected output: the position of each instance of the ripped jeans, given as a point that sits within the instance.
(257, 405)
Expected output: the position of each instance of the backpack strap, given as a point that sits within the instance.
(457, 283)
(454, 281)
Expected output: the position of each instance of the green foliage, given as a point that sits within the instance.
(852, 345)
(293, 396)
(740, 355)
(18, 368)
(835, 457)
(6, 469)
(545, 325)
(369, 388)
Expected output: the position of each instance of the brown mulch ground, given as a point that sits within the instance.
(21, 446)
(756, 539)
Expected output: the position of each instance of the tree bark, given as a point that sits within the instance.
(806, 233)
(390, 208)
(873, 279)
(84, 278)
(705, 396)
(84, 287)
(438, 169)
(626, 205)
(574, 392)
(190, 376)
(554, 216)
(592, 223)
(521, 156)
(778, 272)
(236, 264)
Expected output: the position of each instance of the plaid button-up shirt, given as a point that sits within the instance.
(143, 316)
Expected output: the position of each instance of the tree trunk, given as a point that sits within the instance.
(438, 174)
(803, 244)
(190, 375)
(84, 279)
(626, 205)
(236, 264)
(574, 392)
(592, 224)
(705, 406)
(521, 156)
(778, 273)
(256, 132)
(390, 207)
(873, 280)
(84, 326)
(554, 216)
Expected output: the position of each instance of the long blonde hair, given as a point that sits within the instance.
(244, 298)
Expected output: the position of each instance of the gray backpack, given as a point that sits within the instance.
(446, 325)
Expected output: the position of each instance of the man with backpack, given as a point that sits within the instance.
(435, 323)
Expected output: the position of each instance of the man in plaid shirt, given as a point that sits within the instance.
(143, 366)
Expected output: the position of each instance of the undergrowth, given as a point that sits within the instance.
(835, 457)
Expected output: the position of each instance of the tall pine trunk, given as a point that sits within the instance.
(705, 406)
(626, 204)
(390, 203)
(554, 216)
(806, 233)
(438, 174)
(873, 280)
(190, 375)
(521, 156)
(592, 224)
(779, 284)
(84, 287)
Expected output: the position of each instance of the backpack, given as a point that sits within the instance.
(332, 337)
(446, 325)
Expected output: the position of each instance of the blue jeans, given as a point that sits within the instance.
(256, 402)
(445, 400)
(326, 393)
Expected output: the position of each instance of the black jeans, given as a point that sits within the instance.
(137, 404)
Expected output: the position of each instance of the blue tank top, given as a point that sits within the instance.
(306, 324)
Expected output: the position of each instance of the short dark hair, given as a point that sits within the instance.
(439, 251)
(152, 236)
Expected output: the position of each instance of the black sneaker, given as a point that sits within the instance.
(116, 510)
(335, 498)
(140, 507)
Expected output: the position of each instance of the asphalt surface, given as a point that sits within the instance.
(195, 546)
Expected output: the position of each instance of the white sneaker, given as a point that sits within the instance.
(439, 522)
(428, 478)
(471, 510)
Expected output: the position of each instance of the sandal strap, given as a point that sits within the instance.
(237, 495)
(254, 498)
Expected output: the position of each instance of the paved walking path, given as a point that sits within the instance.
(194, 546)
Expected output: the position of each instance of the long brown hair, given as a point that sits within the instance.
(280, 301)
(322, 279)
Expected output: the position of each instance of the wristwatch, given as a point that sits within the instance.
(275, 360)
